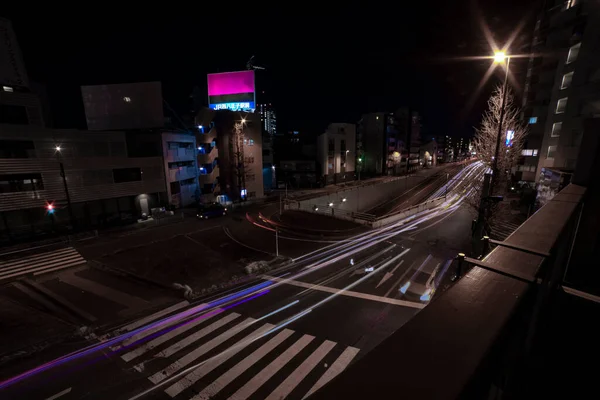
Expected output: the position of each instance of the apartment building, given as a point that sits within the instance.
(181, 168)
(336, 153)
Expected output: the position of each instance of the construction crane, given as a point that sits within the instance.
(250, 65)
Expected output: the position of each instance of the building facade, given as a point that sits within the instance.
(181, 168)
(104, 182)
(230, 162)
(562, 86)
(388, 143)
(336, 153)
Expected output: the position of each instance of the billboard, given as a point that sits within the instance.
(123, 106)
(231, 91)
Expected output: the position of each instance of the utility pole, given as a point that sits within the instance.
(64, 179)
(277, 241)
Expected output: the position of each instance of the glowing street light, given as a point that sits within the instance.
(499, 56)
(243, 120)
(57, 148)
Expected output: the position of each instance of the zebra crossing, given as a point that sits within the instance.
(40, 263)
(223, 354)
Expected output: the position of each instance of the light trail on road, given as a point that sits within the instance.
(305, 264)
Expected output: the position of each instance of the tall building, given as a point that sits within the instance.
(268, 118)
(388, 143)
(336, 153)
(18, 103)
(562, 86)
(229, 155)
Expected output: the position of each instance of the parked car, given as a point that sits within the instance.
(206, 211)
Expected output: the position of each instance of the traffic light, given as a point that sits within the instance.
(50, 208)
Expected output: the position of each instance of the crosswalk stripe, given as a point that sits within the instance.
(166, 337)
(225, 379)
(185, 342)
(41, 256)
(45, 262)
(198, 352)
(267, 373)
(151, 331)
(155, 316)
(290, 383)
(73, 264)
(214, 362)
(338, 366)
(38, 270)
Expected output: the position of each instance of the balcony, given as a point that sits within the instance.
(182, 173)
(181, 154)
(207, 156)
(506, 329)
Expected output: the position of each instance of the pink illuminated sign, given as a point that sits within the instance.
(230, 83)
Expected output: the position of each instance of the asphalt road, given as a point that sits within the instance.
(282, 335)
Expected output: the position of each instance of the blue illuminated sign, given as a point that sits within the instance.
(509, 138)
(241, 106)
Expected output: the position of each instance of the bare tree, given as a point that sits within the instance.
(512, 140)
(236, 148)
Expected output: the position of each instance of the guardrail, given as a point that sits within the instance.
(360, 217)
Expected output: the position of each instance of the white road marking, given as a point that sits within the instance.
(183, 343)
(166, 337)
(214, 362)
(225, 379)
(338, 366)
(290, 383)
(267, 373)
(199, 352)
(59, 394)
(388, 275)
(154, 316)
(349, 293)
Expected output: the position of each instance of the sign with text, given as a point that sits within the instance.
(231, 91)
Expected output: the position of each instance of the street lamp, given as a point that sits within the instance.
(500, 57)
(64, 179)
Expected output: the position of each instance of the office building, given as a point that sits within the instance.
(107, 179)
(388, 143)
(336, 153)
(229, 155)
(562, 87)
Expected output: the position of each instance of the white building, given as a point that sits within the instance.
(336, 153)
(181, 170)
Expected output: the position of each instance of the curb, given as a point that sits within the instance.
(119, 272)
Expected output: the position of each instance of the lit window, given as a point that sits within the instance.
(556, 128)
(551, 151)
(529, 152)
(251, 142)
(127, 99)
(561, 105)
(532, 120)
(566, 80)
(570, 3)
(573, 53)
(8, 89)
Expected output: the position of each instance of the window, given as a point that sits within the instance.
(91, 177)
(8, 89)
(175, 187)
(556, 128)
(250, 142)
(526, 168)
(10, 114)
(551, 151)
(573, 53)
(249, 160)
(121, 175)
(570, 3)
(187, 182)
(21, 183)
(180, 164)
(566, 80)
(561, 105)
(529, 152)
(16, 149)
(250, 177)
(532, 120)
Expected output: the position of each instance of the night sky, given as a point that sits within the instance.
(320, 69)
